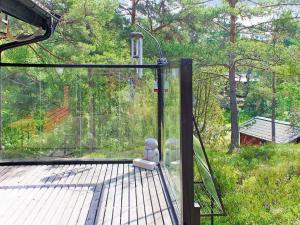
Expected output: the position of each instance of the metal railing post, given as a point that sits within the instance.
(186, 142)
(160, 97)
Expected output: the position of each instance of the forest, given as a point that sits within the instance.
(246, 63)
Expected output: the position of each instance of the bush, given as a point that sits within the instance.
(259, 185)
(257, 153)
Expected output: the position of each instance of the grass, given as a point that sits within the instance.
(259, 185)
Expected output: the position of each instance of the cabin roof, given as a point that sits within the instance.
(261, 127)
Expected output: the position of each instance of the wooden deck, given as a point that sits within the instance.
(82, 194)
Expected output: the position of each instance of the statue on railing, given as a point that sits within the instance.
(172, 152)
(151, 155)
(151, 152)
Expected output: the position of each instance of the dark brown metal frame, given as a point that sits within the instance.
(190, 216)
(63, 162)
(160, 97)
(104, 66)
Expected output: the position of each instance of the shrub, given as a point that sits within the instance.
(259, 185)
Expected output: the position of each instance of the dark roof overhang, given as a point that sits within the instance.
(31, 12)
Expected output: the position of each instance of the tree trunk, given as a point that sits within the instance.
(248, 76)
(232, 84)
(133, 12)
(273, 107)
(92, 107)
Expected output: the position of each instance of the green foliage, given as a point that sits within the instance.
(258, 100)
(259, 185)
(207, 110)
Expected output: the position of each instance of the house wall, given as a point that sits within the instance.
(249, 140)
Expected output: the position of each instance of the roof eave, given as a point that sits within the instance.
(29, 11)
(292, 139)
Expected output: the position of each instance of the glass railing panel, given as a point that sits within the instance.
(76, 112)
(206, 193)
(171, 133)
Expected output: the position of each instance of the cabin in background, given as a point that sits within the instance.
(258, 131)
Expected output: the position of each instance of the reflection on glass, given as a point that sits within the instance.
(171, 132)
(92, 113)
(207, 183)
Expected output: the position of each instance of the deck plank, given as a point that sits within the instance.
(56, 198)
(88, 197)
(142, 218)
(9, 172)
(46, 190)
(82, 194)
(133, 209)
(3, 168)
(13, 175)
(117, 206)
(70, 203)
(7, 195)
(125, 201)
(154, 200)
(147, 198)
(111, 197)
(80, 198)
(6, 171)
(94, 206)
(104, 196)
(35, 192)
(164, 203)
(51, 194)
(65, 196)
(17, 195)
